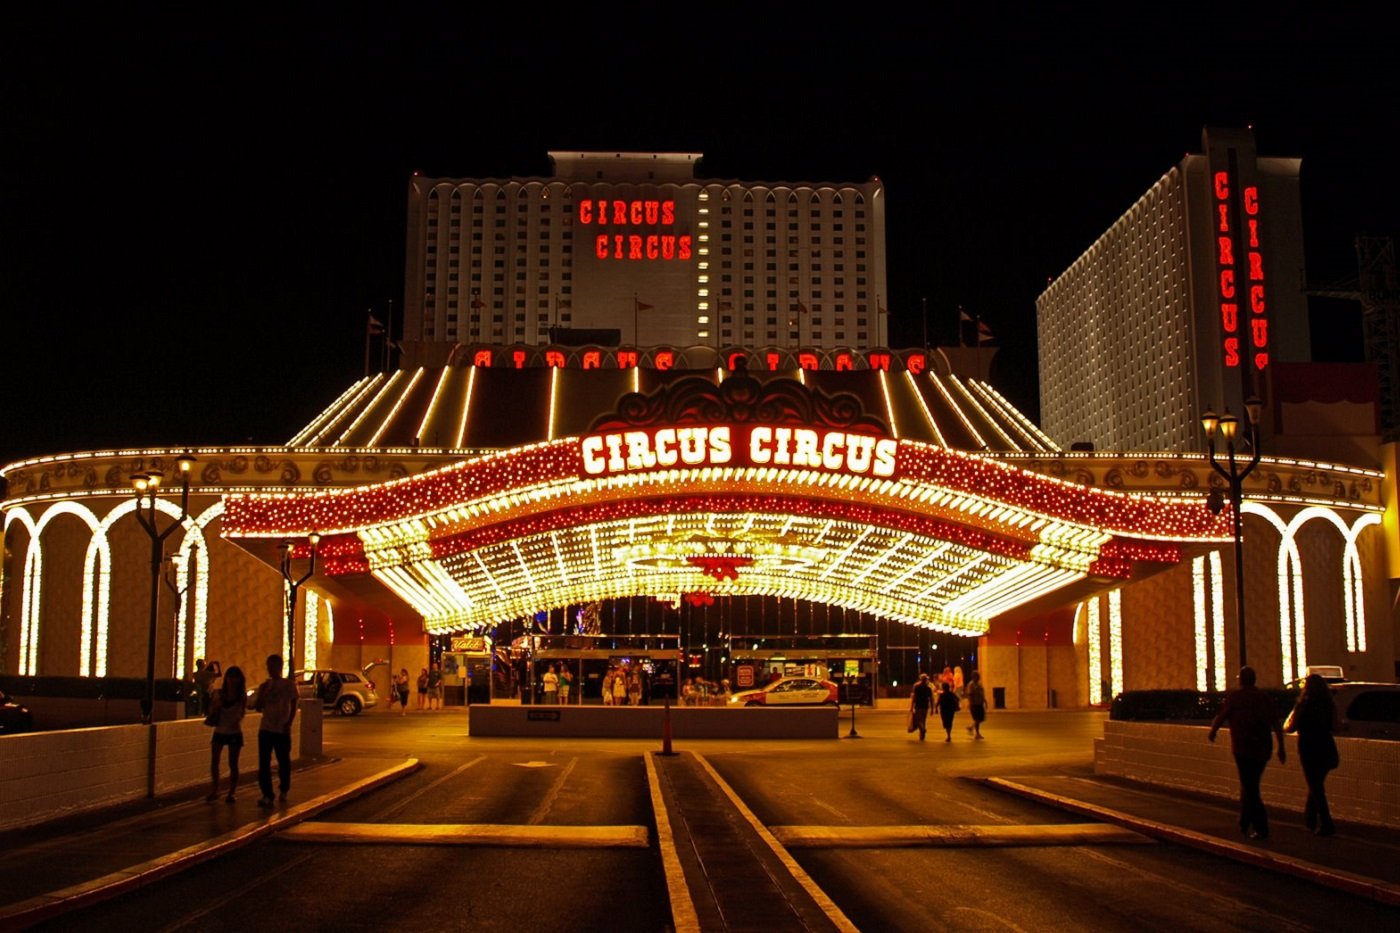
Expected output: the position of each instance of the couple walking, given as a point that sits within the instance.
(923, 699)
(276, 699)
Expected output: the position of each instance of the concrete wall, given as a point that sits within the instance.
(645, 722)
(1365, 789)
(47, 775)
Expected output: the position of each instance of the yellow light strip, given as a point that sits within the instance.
(466, 407)
(943, 391)
(928, 415)
(972, 400)
(1115, 639)
(846, 553)
(1217, 619)
(1040, 439)
(432, 405)
(889, 406)
(373, 403)
(389, 419)
(326, 414)
(1094, 640)
(366, 386)
(553, 398)
(1198, 603)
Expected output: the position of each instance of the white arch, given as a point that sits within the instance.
(194, 583)
(30, 611)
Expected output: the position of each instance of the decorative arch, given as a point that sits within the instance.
(94, 604)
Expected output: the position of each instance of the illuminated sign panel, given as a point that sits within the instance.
(1240, 270)
(831, 451)
(622, 218)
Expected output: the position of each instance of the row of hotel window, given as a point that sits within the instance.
(499, 332)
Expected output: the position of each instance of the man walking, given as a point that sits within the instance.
(276, 699)
(435, 687)
(919, 702)
(1249, 712)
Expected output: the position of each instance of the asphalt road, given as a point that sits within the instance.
(884, 778)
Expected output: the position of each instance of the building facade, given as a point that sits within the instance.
(636, 246)
(1181, 305)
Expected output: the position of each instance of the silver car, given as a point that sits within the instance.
(346, 692)
(1368, 711)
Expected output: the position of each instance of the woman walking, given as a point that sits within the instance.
(976, 703)
(228, 704)
(947, 706)
(422, 688)
(401, 686)
(1313, 719)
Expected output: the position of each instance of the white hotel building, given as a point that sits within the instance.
(636, 244)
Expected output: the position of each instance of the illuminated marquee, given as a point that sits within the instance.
(616, 214)
(735, 445)
(1235, 283)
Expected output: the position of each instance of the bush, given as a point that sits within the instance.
(1186, 706)
(95, 688)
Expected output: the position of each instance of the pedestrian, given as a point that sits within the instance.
(920, 699)
(435, 686)
(976, 696)
(947, 705)
(608, 688)
(620, 690)
(227, 705)
(566, 684)
(1249, 712)
(634, 688)
(422, 688)
(1314, 719)
(203, 684)
(946, 677)
(551, 686)
(276, 699)
(401, 685)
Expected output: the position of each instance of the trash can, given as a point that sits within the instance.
(998, 698)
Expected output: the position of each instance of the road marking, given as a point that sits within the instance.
(547, 801)
(535, 764)
(827, 905)
(463, 834)
(684, 919)
(395, 808)
(884, 837)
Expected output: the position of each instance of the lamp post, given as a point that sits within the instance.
(147, 487)
(313, 539)
(1234, 474)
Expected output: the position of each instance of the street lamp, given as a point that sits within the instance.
(313, 539)
(1228, 426)
(146, 487)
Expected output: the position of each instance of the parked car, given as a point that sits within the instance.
(14, 716)
(789, 691)
(346, 692)
(1368, 711)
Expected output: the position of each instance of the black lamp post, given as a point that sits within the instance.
(293, 585)
(147, 487)
(1227, 426)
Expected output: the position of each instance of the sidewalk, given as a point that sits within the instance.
(50, 869)
(1362, 860)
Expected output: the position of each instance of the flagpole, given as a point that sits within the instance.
(369, 314)
(388, 335)
(977, 319)
(923, 303)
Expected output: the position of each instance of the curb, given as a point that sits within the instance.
(55, 903)
(1381, 891)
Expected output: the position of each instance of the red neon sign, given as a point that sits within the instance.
(1237, 283)
(603, 212)
(1225, 261)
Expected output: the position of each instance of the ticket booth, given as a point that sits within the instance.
(466, 671)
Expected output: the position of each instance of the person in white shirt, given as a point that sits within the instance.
(276, 699)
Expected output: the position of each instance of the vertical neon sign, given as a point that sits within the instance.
(1258, 309)
(1225, 267)
(1235, 282)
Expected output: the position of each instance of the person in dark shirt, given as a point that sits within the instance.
(1314, 719)
(1249, 712)
(919, 702)
(947, 705)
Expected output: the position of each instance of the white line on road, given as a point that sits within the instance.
(683, 916)
(395, 808)
(542, 810)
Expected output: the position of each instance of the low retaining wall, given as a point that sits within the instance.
(645, 722)
(1365, 789)
(46, 775)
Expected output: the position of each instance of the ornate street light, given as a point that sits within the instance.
(293, 585)
(146, 487)
(1228, 426)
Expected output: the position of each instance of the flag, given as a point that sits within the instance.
(800, 307)
(882, 310)
(643, 306)
(566, 303)
(477, 303)
(374, 325)
(984, 333)
(964, 317)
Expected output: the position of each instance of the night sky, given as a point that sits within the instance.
(197, 212)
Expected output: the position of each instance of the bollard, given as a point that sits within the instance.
(666, 730)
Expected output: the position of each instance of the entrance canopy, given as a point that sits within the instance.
(738, 489)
